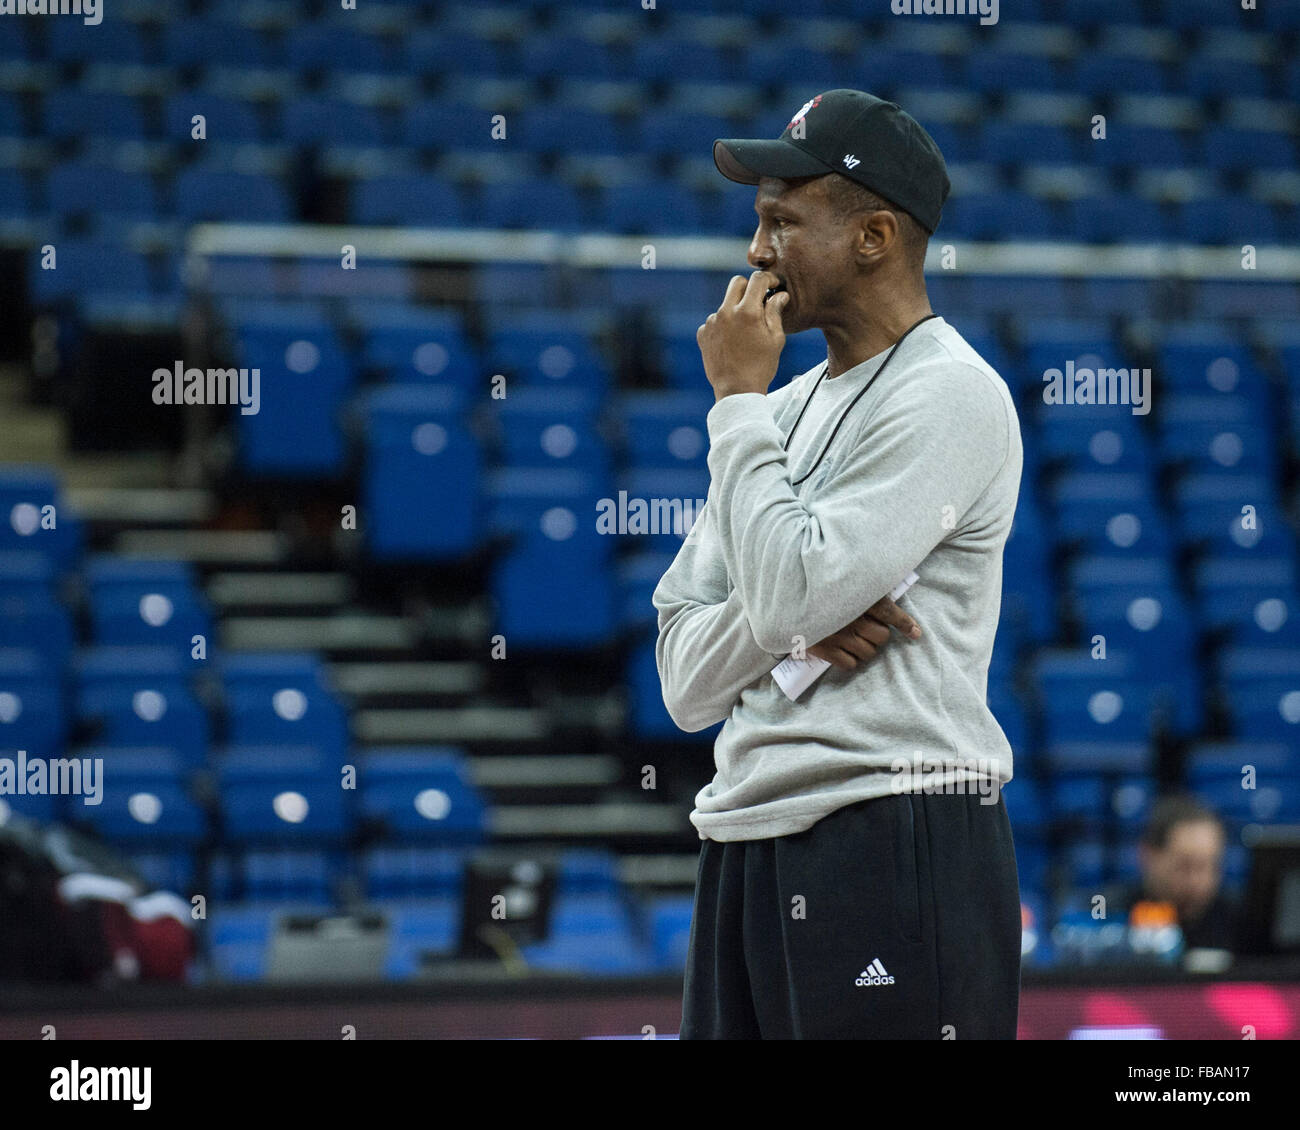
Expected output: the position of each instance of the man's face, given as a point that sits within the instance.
(1187, 871)
(802, 242)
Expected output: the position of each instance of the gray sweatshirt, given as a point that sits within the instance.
(922, 475)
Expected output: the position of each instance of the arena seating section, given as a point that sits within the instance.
(224, 772)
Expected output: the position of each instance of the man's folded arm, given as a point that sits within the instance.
(805, 568)
(706, 652)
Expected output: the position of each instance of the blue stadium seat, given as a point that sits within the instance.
(79, 113)
(30, 618)
(1028, 594)
(1117, 219)
(165, 870)
(1131, 798)
(552, 585)
(650, 208)
(1065, 757)
(1007, 71)
(665, 429)
(325, 47)
(305, 378)
(421, 479)
(1156, 629)
(583, 58)
(1228, 761)
(670, 930)
(225, 119)
(1079, 798)
(325, 121)
(548, 350)
(1085, 864)
(567, 130)
(282, 795)
(239, 939)
(1195, 436)
(1094, 700)
(545, 205)
(1221, 76)
(288, 874)
(77, 188)
(1230, 591)
(295, 714)
(16, 197)
(638, 577)
(215, 193)
(271, 670)
(663, 130)
(1020, 143)
(663, 504)
(1099, 74)
(1227, 221)
(421, 794)
(406, 200)
(143, 812)
(998, 216)
(74, 41)
(439, 51)
(663, 57)
(591, 934)
(405, 872)
(443, 126)
(195, 42)
(540, 427)
(129, 668)
(1137, 146)
(86, 267)
(1224, 147)
(1104, 513)
(418, 929)
(1026, 808)
(142, 712)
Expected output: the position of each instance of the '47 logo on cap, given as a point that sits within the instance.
(803, 110)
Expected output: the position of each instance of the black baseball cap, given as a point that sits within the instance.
(859, 136)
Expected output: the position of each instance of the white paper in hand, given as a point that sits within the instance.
(794, 676)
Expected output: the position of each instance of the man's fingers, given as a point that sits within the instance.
(870, 630)
(735, 289)
(756, 287)
(887, 612)
(773, 309)
(830, 651)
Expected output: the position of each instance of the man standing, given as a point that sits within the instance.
(857, 877)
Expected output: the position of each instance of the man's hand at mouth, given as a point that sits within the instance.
(741, 342)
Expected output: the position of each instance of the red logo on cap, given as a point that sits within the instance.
(803, 111)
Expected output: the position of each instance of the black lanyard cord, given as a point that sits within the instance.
(845, 413)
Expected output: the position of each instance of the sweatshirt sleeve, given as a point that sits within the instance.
(706, 652)
(805, 568)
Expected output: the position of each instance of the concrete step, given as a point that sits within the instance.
(355, 631)
(149, 506)
(206, 547)
(588, 821)
(280, 590)
(368, 680)
(451, 727)
(545, 772)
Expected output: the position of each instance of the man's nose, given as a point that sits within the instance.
(760, 255)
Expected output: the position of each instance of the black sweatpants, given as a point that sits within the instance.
(893, 918)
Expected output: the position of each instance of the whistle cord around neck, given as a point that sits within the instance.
(845, 413)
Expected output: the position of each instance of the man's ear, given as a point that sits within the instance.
(874, 234)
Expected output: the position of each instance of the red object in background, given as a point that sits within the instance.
(1219, 1011)
(145, 937)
